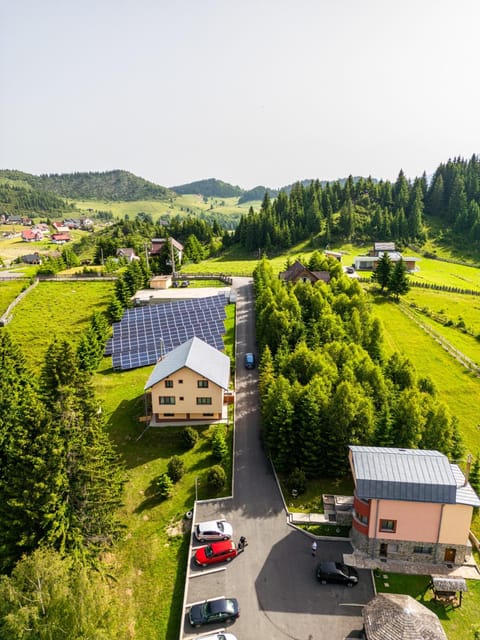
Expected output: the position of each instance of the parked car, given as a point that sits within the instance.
(218, 636)
(185, 283)
(249, 361)
(218, 610)
(213, 530)
(216, 552)
(337, 573)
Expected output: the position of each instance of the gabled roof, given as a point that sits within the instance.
(409, 474)
(159, 242)
(197, 355)
(297, 270)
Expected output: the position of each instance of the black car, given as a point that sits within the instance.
(336, 573)
(219, 610)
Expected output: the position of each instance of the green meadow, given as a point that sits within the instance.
(457, 387)
(56, 311)
(176, 205)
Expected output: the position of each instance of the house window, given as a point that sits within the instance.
(204, 400)
(166, 399)
(361, 518)
(422, 549)
(181, 398)
(389, 526)
(202, 384)
(180, 382)
(169, 384)
(207, 415)
(168, 415)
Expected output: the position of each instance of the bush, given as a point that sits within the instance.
(297, 480)
(190, 437)
(164, 486)
(219, 445)
(175, 468)
(217, 477)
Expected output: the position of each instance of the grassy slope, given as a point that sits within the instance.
(457, 387)
(181, 205)
(9, 290)
(56, 310)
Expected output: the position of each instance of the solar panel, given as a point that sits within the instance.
(146, 333)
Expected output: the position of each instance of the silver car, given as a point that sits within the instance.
(213, 530)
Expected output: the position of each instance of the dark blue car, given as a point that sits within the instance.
(249, 361)
(219, 610)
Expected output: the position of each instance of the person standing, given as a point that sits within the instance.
(314, 548)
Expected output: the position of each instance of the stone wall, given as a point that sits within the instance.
(405, 550)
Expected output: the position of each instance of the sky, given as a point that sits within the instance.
(252, 92)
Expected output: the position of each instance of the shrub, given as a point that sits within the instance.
(216, 477)
(190, 437)
(164, 486)
(297, 480)
(219, 446)
(175, 468)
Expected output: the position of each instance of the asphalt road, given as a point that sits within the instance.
(274, 578)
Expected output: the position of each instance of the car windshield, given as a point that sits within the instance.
(209, 551)
(220, 526)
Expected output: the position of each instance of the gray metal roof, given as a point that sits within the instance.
(197, 355)
(409, 474)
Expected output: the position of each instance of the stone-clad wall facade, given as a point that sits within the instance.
(405, 549)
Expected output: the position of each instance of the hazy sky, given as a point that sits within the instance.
(247, 91)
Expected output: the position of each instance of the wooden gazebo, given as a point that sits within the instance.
(445, 589)
(394, 616)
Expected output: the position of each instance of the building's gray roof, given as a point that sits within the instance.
(197, 355)
(384, 246)
(409, 474)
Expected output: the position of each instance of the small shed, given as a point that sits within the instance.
(446, 589)
(395, 616)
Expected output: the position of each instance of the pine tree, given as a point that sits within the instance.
(383, 271)
(398, 284)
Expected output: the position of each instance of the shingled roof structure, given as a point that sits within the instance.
(394, 616)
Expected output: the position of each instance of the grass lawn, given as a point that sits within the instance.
(458, 388)
(311, 500)
(458, 623)
(56, 310)
(9, 290)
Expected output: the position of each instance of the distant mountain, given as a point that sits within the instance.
(108, 185)
(210, 188)
(257, 193)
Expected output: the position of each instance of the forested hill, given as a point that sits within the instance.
(108, 185)
(209, 188)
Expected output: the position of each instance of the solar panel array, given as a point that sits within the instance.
(144, 334)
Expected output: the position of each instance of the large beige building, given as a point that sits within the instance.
(189, 385)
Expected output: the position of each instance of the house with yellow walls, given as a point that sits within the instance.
(411, 505)
(189, 385)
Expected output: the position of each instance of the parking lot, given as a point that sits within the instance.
(274, 578)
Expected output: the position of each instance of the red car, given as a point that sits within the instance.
(216, 552)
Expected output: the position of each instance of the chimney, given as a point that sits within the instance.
(467, 469)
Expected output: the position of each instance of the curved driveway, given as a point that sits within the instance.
(274, 579)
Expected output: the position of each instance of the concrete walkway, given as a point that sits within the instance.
(360, 560)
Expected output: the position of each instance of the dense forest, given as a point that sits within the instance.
(361, 210)
(326, 384)
(18, 200)
(211, 187)
(108, 185)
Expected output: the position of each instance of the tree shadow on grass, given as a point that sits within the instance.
(176, 610)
